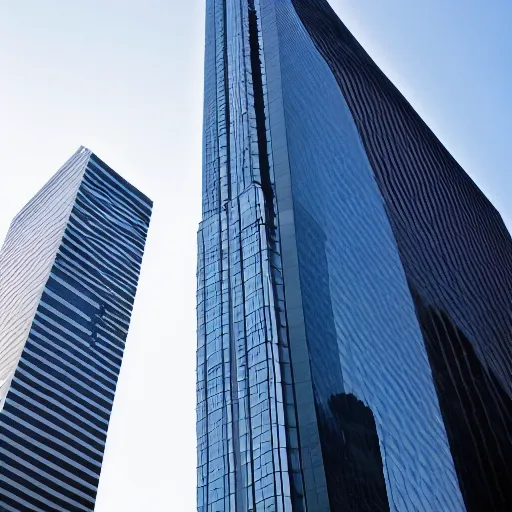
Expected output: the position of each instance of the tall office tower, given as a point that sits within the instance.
(68, 275)
(354, 285)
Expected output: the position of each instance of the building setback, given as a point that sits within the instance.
(354, 285)
(68, 275)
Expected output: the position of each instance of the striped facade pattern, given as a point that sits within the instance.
(54, 422)
(27, 257)
(379, 312)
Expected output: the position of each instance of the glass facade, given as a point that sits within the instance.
(70, 267)
(354, 328)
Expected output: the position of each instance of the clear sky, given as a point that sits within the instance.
(124, 78)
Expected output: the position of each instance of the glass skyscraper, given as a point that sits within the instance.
(68, 274)
(354, 285)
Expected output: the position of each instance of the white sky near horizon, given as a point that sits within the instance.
(125, 79)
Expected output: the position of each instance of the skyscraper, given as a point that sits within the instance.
(354, 285)
(68, 274)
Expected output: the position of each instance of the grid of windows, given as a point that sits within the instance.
(247, 435)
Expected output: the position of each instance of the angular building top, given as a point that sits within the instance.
(27, 256)
(68, 274)
(354, 326)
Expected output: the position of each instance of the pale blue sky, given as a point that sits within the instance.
(124, 78)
